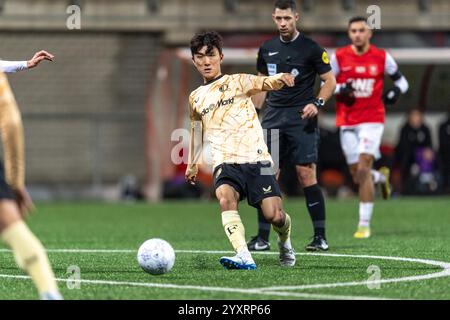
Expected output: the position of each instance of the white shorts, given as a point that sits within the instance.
(362, 138)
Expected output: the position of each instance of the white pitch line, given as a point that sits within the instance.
(83, 250)
(443, 273)
(135, 251)
(269, 290)
(322, 296)
(203, 288)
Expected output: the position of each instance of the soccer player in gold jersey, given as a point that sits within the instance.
(15, 202)
(221, 111)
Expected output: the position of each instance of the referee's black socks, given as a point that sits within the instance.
(316, 208)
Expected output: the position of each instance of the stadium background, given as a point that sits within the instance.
(101, 116)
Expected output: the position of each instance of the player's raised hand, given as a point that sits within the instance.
(24, 201)
(288, 79)
(191, 174)
(309, 111)
(38, 58)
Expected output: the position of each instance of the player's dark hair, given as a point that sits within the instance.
(357, 19)
(210, 39)
(285, 4)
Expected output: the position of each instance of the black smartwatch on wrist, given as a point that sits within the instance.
(319, 103)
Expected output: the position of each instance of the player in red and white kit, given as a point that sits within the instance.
(360, 69)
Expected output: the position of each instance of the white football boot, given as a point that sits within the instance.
(241, 261)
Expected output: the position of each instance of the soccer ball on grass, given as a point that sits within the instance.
(156, 256)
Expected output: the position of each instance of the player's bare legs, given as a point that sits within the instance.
(306, 174)
(228, 197)
(315, 203)
(272, 209)
(8, 214)
(15, 202)
(363, 177)
(361, 173)
(366, 178)
(234, 229)
(28, 251)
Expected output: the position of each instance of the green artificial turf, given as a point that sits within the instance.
(408, 227)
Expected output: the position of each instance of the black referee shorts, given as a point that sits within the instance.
(296, 139)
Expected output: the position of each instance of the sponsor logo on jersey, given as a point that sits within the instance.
(272, 69)
(363, 87)
(273, 53)
(224, 87)
(360, 69)
(219, 104)
(325, 58)
(373, 70)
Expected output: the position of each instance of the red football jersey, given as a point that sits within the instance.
(367, 73)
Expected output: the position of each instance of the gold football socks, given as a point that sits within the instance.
(234, 230)
(284, 232)
(30, 256)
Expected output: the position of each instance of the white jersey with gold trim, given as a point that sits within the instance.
(229, 119)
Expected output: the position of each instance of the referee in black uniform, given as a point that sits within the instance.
(293, 111)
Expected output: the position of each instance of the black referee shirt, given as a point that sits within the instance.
(303, 58)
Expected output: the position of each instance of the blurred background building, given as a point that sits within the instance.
(99, 121)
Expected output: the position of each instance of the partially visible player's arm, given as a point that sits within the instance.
(321, 64)
(15, 66)
(278, 81)
(11, 130)
(325, 93)
(257, 84)
(328, 87)
(400, 83)
(12, 136)
(261, 65)
(345, 89)
(336, 70)
(195, 147)
(259, 98)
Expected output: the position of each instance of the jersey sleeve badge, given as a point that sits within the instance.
(325, 58)
(272, 68)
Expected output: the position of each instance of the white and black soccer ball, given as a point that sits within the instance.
(156, 256)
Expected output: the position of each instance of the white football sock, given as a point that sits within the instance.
(243, 251)
(245, 255)
(287, 244)
(365, 213)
